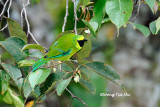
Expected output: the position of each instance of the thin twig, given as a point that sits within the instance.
(8, 14)
(75, 16)
(65, 18)
(54, 65)
(26, 19)
(8, 10)
(73, 96)
(22, 17)
(139, 4)
(4, 7)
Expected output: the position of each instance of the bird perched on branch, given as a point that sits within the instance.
(63, 49)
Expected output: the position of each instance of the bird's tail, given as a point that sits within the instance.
(38, 64)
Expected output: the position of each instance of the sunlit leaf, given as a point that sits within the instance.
(15, 30)
(143, 29)
(119, 11)
(13, 50)
(93, 32)
(152, 27)
(95, 22)
(17, 42)
(26, 63)
(36, 54)
(150, 4)
(11, 98)
(38, 76)
(99, 12)
(14, 73)
(27, 89)
(63, 85)
(155, 8)
(106, 20)
(157, 25)
(33, 46)
(4, 81)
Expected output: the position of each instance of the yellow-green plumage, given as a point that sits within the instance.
(63, 49)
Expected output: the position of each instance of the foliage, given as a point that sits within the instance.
(18, 74)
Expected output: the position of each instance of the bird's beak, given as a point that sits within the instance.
(85, 40)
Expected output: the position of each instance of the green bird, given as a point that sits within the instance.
(63, 49)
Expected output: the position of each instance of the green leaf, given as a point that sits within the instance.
(14, 50)
(44, 75)
(84, 72)
(14, 73)
(145, 31)
(15, 30)
(16, 41)
(99, 12)
(37, 92)
(87, 84)
(119, 11)
(85, 2)
(81, 2)
(38, 76)
(104, 70)
(7, 98)
(11, 98)
(27, 89)
(158, 25)
(4, 81)
(63, 85)
(151, 4)
(33, 46)
(37, 54)
(90, 26)
(26, 63)
(106, 20)
(86, 50)
(66, 67)
(52, 80)
(152, 27)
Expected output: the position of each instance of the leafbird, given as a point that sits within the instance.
(62, 49)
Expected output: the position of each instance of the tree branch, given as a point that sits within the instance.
(8, 12)
(75, 16)
(4, 7)
(139, 5)
(65, 18)
(26, 19)
(73, 96)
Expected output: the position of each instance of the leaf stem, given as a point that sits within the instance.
(65, 18)
(73, 96)
(75, 16)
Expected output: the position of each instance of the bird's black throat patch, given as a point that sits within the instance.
(81, 42)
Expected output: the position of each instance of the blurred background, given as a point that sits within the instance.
(135, 57)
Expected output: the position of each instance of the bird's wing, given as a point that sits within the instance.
(56, 53)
